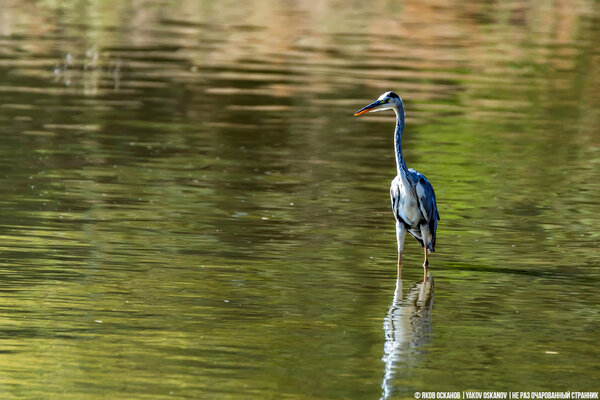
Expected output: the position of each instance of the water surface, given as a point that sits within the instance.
(189, 209)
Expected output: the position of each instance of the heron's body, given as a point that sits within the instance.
(408, 194)
(413, 198)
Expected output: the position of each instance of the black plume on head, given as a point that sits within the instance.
(393, 95)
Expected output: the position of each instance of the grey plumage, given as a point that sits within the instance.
(425, 202)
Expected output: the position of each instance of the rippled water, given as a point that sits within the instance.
(189, 209)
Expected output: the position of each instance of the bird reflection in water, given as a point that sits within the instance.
(407, 328)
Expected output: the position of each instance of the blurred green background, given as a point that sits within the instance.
(188, 209)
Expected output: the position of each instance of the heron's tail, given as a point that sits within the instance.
(430, 245)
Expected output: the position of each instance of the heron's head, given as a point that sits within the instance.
(387, 101)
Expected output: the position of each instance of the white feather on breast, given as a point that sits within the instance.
(407, 206)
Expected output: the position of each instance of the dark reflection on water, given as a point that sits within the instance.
(407, 330)
(189, 210)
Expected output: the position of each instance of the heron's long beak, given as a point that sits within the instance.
(371, 107)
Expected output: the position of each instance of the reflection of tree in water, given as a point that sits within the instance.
(407, 329)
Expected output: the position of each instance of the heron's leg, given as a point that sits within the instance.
(400, 233)
(425, 265)
(426, 239)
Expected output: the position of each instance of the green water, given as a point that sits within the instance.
(188, 209)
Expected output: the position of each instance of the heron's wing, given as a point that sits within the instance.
(426, 196)
(427, 204)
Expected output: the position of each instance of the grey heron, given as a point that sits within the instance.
(413, 198)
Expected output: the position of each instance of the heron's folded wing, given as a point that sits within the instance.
(426, 197)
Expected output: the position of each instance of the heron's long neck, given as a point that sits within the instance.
(400, 164)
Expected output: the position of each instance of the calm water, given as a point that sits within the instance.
(189, 209)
